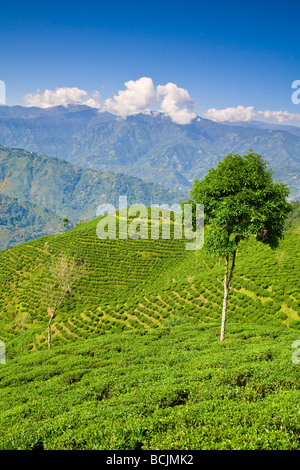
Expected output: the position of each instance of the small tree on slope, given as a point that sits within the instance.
(64, 272)
(240, 199)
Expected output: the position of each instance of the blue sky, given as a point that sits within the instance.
(225, 54)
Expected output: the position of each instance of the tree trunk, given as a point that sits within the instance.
(225, 299)
(227, 283)
(49, 332)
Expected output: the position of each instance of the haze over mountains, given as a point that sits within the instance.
(151, 146)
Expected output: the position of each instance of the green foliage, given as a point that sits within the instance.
(241, 199)
(175, 387)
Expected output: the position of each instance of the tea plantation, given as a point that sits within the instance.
(175, 387)
(136, 361)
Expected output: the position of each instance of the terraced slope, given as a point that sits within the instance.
(140, 285)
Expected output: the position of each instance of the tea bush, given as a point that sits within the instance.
(175, 387)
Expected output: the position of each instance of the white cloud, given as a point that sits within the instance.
(138, 97)
(240, 113)
(62, 96)
(174, 96)
(142, 96)
(280, 116)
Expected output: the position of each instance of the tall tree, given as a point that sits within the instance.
(65, 222)
(64, 272)
(240, 200)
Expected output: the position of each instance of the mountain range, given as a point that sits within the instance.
(62, 162)
(149, 146)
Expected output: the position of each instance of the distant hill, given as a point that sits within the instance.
(21, 221)
(295, 130)
(46, 189)
(151, 147)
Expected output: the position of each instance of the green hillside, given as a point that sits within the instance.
(21, 221)
(141, 284)
(136, 361)
(175, 387)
